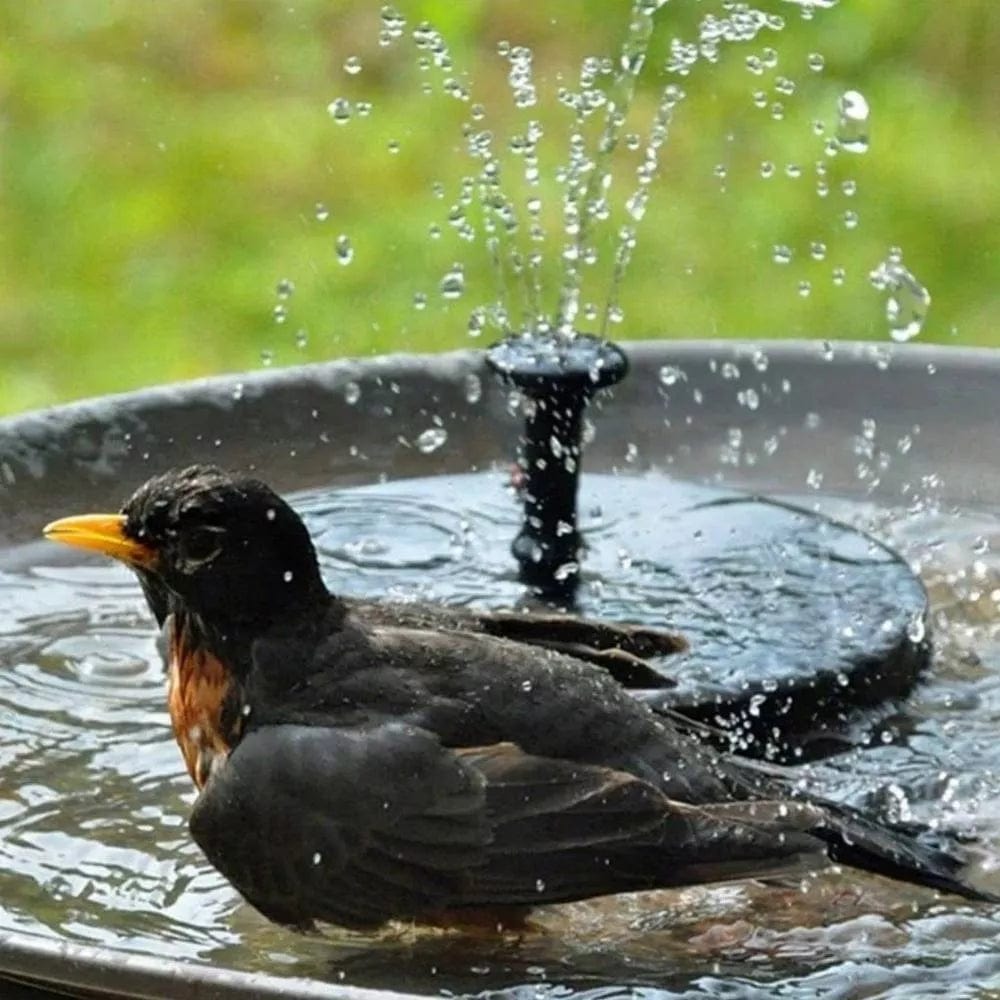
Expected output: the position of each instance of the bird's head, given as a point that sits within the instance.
(225, 548)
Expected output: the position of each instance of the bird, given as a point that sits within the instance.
(357, 766)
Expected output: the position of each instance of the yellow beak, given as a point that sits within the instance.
(103, 533)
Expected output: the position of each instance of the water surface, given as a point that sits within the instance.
(94, 797)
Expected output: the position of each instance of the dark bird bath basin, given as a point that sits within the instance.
(101, 890)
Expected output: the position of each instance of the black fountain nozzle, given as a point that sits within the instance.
(558, 374)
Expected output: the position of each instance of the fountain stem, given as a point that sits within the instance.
(558, 375)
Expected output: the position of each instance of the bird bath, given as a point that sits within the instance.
(401, 466)
(102, 890)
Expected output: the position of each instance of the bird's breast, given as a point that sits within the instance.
(197, 685)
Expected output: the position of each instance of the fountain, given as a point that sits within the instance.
(131, 909)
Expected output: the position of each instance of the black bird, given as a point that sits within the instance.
(358, 766)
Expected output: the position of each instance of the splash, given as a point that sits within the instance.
(587, 230)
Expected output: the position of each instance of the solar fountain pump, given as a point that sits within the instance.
(558, 375)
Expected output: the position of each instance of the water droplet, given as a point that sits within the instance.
(393, 24)
(419, 301)
(817, 250)
(280, 313)
(850, 219)
(287, 576)
(539, 885)
(393, 146)
(473, 385)
(301, 339)
(816, 61)
(238, 391)
(566, 570)
(344, 250)
(352, 393)
(814, 479)
(907, 300)
(267, 357)
(916, 628)
(431, 439)
(285, 288)
(321, 212)
(852, 126)
(671, 375)
(352, 65)
(340, 110)
(477, 321)
(781, 254)
(453, 283)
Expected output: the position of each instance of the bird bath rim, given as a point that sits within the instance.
(103, 446)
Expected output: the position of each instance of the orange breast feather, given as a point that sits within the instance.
(197, 686)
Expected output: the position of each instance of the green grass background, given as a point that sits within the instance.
(161, 164)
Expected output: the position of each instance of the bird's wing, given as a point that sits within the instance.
(564, 831)
(359, 826)
(353, 826)
(622, 649)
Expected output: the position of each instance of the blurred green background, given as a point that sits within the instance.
(162, 164)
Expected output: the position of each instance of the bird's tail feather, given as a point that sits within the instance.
(906, 855)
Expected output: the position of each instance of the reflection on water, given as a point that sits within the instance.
(93, 796)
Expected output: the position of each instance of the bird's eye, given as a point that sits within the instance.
(197, 546)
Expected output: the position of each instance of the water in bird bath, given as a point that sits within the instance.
(92, 817)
